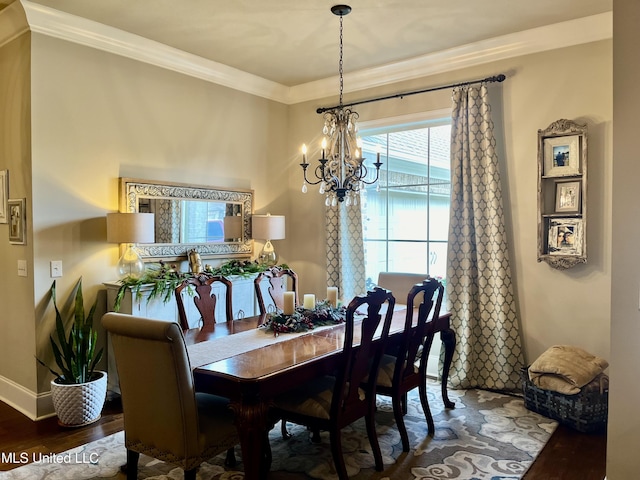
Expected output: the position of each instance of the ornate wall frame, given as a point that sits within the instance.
(570, 138)
(132, 190)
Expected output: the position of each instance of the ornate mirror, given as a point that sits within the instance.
(213, 221)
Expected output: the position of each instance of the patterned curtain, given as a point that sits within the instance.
(480, 293)
(345, 251)
(167, 225)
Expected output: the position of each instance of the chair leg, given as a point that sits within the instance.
(267, 458)
(336, 452)
(398, 413)
(283, 429)
(422, 389)
(370, 422)
(190, 474)
(230, 460)
(131, 468)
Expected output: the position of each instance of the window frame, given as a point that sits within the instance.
(433, 118)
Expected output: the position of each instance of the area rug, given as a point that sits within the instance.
(488, 436)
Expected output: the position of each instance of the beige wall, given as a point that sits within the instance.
(623, 438)
(17, 320)
(556, 307)
(97, 117)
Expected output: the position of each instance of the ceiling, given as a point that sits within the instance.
(293, 42)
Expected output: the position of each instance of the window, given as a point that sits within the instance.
(202, 221)
(405, 216)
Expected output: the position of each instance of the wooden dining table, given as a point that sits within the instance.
(251, 375)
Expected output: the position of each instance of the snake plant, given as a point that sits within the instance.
(75, 353)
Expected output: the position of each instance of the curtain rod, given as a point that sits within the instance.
(496, 78)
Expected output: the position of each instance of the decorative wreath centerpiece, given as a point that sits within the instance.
(304, 319)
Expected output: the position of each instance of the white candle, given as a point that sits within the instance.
(332, 296)
(309, 301)
(289, 303)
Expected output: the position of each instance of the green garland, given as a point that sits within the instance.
(304, 319)
(164, 280)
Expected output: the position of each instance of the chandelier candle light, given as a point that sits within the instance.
(341, 172)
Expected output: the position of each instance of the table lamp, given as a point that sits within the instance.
(268, 227)
(130, 228)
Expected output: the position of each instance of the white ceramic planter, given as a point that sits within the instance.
(79, 404)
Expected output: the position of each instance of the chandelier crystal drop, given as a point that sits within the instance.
(341, 171)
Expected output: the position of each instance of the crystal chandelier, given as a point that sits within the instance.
(340, 172)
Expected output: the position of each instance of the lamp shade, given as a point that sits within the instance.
(268, 227)
(130, 227)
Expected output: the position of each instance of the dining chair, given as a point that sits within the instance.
(276, 279)
(163, 415)
(333, 402)
(204, 298)
(398, 371)
(399, 282)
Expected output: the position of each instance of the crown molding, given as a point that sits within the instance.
(57, 24)
(13, 23)
(61, 25)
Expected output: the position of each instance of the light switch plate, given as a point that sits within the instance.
(22, 268)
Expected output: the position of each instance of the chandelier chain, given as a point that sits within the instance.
(340, 61)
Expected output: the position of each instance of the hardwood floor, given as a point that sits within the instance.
(19, 434)
(569, 455)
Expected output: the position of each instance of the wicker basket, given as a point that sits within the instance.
(585, 411)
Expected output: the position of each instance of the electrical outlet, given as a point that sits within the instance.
(56, 268)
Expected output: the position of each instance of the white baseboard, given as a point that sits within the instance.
(33, 405)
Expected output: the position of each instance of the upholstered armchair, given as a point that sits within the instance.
(163, 415)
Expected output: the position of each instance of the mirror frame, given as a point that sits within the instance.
(132, 189)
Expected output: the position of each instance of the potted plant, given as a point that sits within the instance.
(79, 390)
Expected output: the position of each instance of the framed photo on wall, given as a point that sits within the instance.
(17, 221)
(565, 236)
(562, 156)
(568, 197)
(4, 195)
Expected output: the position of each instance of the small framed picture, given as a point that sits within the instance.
(562, 156)
(4, 195)
(568, 197)
(565, 236)
(17, 221)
